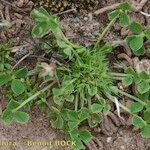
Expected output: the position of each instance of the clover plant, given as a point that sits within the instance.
(75, 92)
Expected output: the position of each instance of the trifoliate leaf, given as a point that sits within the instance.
(146, 131)
(147, 33)
(70, 98)
(138, 122)
(58, 123)
(135, 43)
(41, 29)
(136, 107)
(12, 105)
(85, 136)
(124, 20)
(92, 90)
(135, 27)
(21, 117)
(83, 114)
(21, 73)
(147, 116)
(7, 116)
(4, 78)
(96, 108)
(17, 87)
(144, 75)
(127, 80)
(143, 87)
(140, 52)
(130, 70)
(125, 6)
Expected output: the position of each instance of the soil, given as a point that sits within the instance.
(81, 27)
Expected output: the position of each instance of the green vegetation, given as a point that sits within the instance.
(82, 84)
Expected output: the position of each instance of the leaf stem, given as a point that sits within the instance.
(118, 74)
(101, 35)
(33, 96)
(130, 96)
(76, 102)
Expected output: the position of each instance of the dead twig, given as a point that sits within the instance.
(67, 11)
(139, 6)
(126, 57)
(24, 57)
(107, 8)
(2, 15)
(114, 6)
(7, 14)
(13, 6)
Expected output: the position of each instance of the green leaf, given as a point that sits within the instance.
(41, 29)
(72, 115)
(130, 70)
(17, 87)
(96, 108)
(92, 90)
(106, 109)
(68, 88)
(73, 124)
(57, 92)
(70, 98)
(144, 75)
(21, 73)
(146, 131)
(83, 114)
(140, 52)
(112, 15)
(7, 116)
(124, 20)
(137, 79)
(125, 6)
(144, 97)
(1, 67)
(136, 107)
(58, 123)
(4, 78)
(58, 100)
(148, 106)
(81, 50)
(143, 87)
(21, 117)
(138, 122)
(67, 51)
(74, 134)
(85, 136)
(127, 80)
(12, 105)
(147, 33)
(135, 27)
(40, 14)
(94, 119)
(79, 145)
(147, 116)
(135, 43)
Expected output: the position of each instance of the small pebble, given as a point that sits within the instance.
(109, 139)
